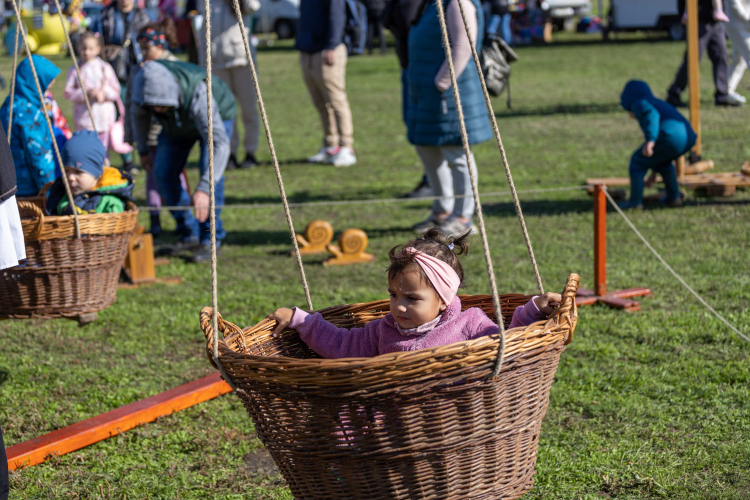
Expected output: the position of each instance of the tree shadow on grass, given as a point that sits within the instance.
(259, 237)
(353, 198)
(4, 374)
(539, 207)
(597, 41)
(562, 109)
(293, 161)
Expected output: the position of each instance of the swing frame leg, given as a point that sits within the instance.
(619, 299)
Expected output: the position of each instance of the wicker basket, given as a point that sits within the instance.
(423, 424)
(64, 276)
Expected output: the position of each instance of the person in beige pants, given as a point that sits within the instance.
(229, 62)
(323, 57)
(326, 82)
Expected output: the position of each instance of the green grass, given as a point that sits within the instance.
(645, 405)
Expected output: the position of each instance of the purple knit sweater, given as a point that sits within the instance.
(382, 336)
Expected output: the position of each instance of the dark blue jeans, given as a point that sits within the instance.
(171, 156)
(501, 23)
(674, 141)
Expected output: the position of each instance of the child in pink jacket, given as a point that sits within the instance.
(101, 85)
(423, 279)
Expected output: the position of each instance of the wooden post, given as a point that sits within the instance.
(691, 7)
(679, 165)
(600, 241)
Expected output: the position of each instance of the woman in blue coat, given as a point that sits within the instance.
(432, 119)
(31, 142)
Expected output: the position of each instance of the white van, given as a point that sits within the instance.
(278, 16)
(647, 15)
(565, 9)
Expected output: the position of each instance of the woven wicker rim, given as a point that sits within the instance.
(520, 342)
(45, 227)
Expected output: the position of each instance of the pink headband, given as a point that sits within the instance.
(442, 276)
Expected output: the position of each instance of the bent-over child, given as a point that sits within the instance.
(155, 40)
(96, 189)
(100, 84)
(668, 136)
(423, 279)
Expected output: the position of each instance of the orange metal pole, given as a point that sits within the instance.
(600, 240)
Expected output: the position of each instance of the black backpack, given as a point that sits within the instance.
(355, 30)
(496, 56)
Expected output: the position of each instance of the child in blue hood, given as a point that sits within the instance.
(31, 142)
(668, 136)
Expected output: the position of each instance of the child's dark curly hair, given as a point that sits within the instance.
(434, 244)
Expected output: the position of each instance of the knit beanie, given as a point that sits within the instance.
(84, 151)
(153, 37)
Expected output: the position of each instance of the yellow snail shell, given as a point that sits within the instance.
(319, 232)
(353, 241)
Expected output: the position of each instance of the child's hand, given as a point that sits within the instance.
(547, 302)
(283, 317)
(96, 95)
(648, 149)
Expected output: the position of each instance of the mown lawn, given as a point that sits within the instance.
(645, 405)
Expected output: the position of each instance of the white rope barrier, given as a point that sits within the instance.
(669, 268)
(372, 201)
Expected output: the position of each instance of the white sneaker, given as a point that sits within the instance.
(344, 158)
(325, 155)
(737, 97)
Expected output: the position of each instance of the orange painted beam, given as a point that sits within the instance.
(93, 430)
(600, 240)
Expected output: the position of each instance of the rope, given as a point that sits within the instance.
(375, 201)
(76, 223)
(212, 204)
(13, 81)
(500, 146)
(75, 63)
(669, 268)
(474, 187)
(271, 147)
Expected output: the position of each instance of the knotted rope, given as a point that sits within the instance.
(474, 187)
(212, 204)
(467, 152)
(13, 81)
(279, 180)
(75, 63)
(500, 146)
(274, 158)
(49, 125)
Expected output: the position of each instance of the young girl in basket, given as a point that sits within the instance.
(423, 279)
(100, 84)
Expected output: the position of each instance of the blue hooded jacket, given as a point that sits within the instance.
(656, 117)
(31, 142)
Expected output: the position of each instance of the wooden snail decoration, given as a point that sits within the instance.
(351, 249)
(318, 234)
